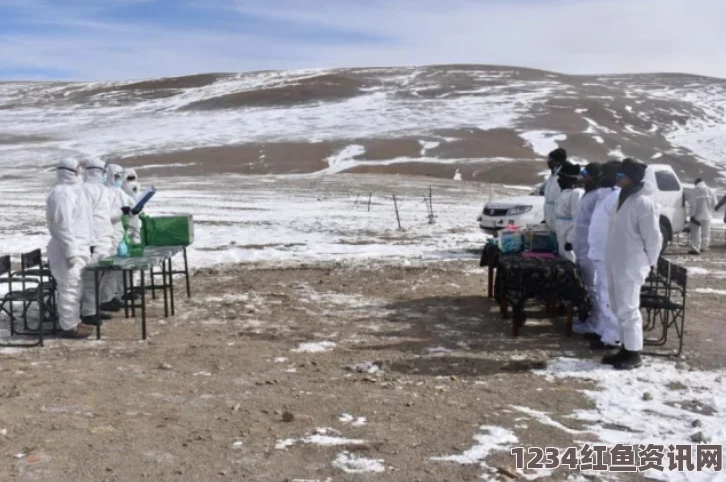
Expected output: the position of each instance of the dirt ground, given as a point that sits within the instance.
(417, 359)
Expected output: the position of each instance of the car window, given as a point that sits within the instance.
(667, 181)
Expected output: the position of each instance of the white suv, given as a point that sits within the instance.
(523, 210)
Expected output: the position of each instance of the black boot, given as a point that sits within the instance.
(592, 336)
(91, 320)
(615, 358)
(598, 345)
(114, 305)
(630, 361)
(131, 296)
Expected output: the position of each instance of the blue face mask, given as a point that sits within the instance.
(104, 178)
(118, 183)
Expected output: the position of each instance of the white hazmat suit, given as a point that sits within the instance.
(607, 325)
(112, 285)
(633, 247)
(100, 201)
(565, 211)
(703, 201)
(551, 191)
(581, 248)
(69, 218)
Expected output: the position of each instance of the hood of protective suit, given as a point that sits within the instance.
(113, 170)
(94, 171)
(132, 188)
(67, 172)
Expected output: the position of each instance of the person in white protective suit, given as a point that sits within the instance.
(551, 189)
(581, 245)
(131, 184)
(703, 201)
(607, 326)
(566, 208)
(100, 201)
(121, 203)
(633, 248)
(69, 219)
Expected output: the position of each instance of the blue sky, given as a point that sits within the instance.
(130, 39)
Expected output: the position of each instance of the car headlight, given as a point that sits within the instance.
(517, 210)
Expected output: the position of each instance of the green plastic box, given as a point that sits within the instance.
(168, 230)
(136, 250)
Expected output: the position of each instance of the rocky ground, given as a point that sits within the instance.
(341, 372)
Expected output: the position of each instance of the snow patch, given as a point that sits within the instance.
(314, 347)
(543, 142)
(622, 414)
(427, 146)
(438, 349)
(617, 153)
(350, 419)
(365, 367)
(545, 419)
(355, 464)
(709, 291)
(326, 437)
(344, 159)
(496, 439)
(657, 155)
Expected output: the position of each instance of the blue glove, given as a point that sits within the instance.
(123, 250)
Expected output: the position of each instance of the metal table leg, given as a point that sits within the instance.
(41, 308)
(143, 305)
(132, 289)
(97, 289)
(171, 287)
(153, 284)
(126, 293)
(186, 274)
(164, 285)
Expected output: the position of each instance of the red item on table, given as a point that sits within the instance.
(531, 255)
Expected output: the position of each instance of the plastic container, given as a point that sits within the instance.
(168, 230)
(136, 250)
(510, 241)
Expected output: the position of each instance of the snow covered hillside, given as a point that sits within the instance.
(492, 122)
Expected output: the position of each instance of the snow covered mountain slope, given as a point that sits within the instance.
(491, 122)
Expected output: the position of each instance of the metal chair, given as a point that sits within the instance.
(32, 266)
(669, 308)
(24, 296)
(656, 288)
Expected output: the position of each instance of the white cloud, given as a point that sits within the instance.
(572, 36)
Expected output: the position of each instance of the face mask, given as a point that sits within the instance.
(118, 183)
(104, 178)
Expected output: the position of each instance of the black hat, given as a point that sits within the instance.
(593, 170)
(558, 155)
(609, 173)
(569, 170)
(633, 170)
